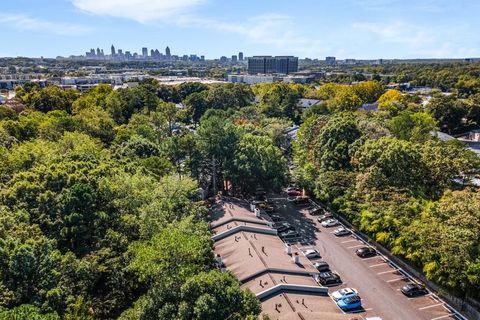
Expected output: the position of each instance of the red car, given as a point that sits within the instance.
(294, 193)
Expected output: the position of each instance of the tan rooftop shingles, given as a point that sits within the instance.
(247, 253)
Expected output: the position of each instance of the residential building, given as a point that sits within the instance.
(269, 64)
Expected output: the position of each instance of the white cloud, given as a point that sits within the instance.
(138, 10)
(26, 23)
(276, 30)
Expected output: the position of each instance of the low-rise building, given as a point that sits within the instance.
(277, 273)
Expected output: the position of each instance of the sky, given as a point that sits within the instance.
(361, 29)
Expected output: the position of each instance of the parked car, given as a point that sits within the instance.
(317, 211)
(321, 266)
(311, 253)
(413, 290)
(284, 227)
(350, 303)
(344, 293)
(277, 218)
(330, 223)
(290, 234)
(328, 278)
(301, 201)
(342, 232)
(325, 216)
(294, 193)
(366, 252)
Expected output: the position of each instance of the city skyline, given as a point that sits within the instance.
(362, 29)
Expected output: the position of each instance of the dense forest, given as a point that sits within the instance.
(102, 211)
(102, 216)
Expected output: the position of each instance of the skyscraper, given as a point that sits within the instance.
(145, 52)
(167, 53)
(234, 59)
(113, 50)
(240, 56)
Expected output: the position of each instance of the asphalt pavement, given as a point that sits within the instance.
(376, 279)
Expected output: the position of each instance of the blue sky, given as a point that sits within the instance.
(306, 28)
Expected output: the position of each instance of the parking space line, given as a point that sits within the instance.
(442, 317)
(347, 241)
(378, 265)
(431, 306)
(357, 246)
(397, 279)
(389, 271)
(427, 295)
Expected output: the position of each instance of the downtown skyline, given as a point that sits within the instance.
(362, 29)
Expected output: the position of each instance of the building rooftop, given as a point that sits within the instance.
(250, 249)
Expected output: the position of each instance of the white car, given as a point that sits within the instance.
(311, 253)
(330, 223)
(344, 293)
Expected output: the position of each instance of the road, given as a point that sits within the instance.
(376, 280)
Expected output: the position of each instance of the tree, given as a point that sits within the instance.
(197, 105)
(368, 91)
(176, 253)
(412, 126)
(332, 149)
(345, 99)
(448, 111)
(392, 101)
(214, 296)
(389, 162)
(52, 98)
(257, 163)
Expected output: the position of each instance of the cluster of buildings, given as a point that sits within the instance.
(267, 69)
(145, 55)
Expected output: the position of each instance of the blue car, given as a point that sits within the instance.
(350, 303)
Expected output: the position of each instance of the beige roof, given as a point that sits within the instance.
(260, 261)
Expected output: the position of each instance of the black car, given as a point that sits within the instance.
(365, 252)
(301, 201)
(285, 227)
(328, 278)
(317, 211)
(413, 290)
(276, 218)
(321, 266)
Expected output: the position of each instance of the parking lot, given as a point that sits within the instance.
(377, 279)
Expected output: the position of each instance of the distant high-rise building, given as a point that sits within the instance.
(99, 53)
(269, 64)
(167, 53)
(240, 56)
(330, 60)
(202, 58)
(223, 59)
(145, 52)
(112, 50)
(234, 59)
